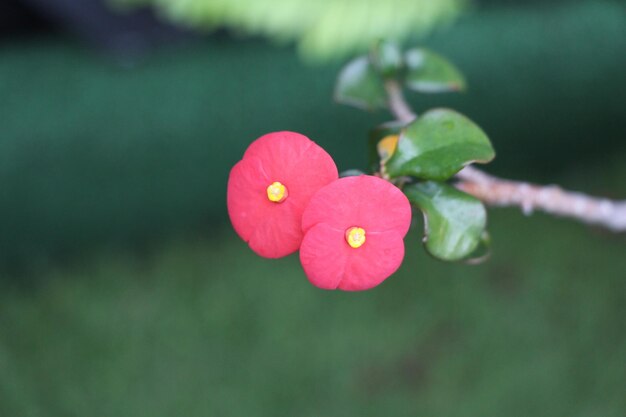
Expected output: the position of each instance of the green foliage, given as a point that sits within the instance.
(433, 146)
(359, 85)
(454, 221)
(387, 58)
(439, 144)
(428, 72)
(323, 29)
(361, 82)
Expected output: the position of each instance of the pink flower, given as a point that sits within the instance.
(353, 233)
(270, 187)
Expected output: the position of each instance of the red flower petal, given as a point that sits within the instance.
(278, 148)
(371, 203)
(273, 229)
(365, 201)
(324, 255)
(379, 257)
(330, 263)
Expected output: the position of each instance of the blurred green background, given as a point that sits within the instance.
(124, 290)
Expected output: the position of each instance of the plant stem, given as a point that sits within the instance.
(398, 105)
(495, 191)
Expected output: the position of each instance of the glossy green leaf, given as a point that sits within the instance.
(359, 85)
(454, 221)
(428, 72)
(386, 57)
(482, 251)
(439, 144)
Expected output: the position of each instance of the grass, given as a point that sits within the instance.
(207, 328)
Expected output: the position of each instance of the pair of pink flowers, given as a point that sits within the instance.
(285, 195)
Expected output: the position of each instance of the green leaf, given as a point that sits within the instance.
(386, 57)
(439, 144)
(454, 221)
(428, 72)
(351, 173)
(482, 251)
(360, 85)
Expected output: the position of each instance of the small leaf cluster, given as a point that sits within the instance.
(423, 155)
(361, 83)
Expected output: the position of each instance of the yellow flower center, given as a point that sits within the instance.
(355, 236)
(277, 192)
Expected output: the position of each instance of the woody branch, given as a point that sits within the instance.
(495, 191)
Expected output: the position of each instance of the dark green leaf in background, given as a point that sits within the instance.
(454, 221)
(360, 85)
(439, 144)
(428, 72)
(386, 57)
